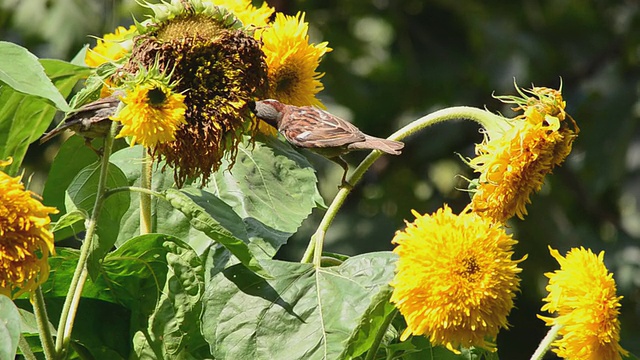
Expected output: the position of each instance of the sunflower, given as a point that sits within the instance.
(583, 296)
(455, 279)
(292, 61)
(25, 239)
(112, 47)
(151, 115)
(220, 69)
(246, 12)
(515, 156)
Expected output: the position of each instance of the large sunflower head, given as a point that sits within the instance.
(25, 239)
(517, 154)
(583, 296)
(455, 279)
(219, 68)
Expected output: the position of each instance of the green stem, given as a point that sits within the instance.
(25, 349)
(373, 350)
(545, 344)
(46, 338)
(145, 198)
(70, 307)
(133, 189)
(483, 117)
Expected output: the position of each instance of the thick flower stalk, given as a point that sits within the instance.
(25, 239)
(582, 295)
(455, 279)
(518, 153)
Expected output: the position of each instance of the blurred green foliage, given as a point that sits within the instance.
(396, 60)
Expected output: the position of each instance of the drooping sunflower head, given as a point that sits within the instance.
(583, 296)
(219, 68)
(455, 279)
(517, 154)
(25, 239)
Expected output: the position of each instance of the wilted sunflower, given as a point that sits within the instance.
(292, 61)
(517, 154)
(455, 279)
(25, 239)
(219, 68)
(583, 295)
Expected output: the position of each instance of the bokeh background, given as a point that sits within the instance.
(394, 61)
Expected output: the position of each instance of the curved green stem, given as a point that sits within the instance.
(70, 307)
(545, 344)
(483, 117)
(145, 198)
(373, 350)
(46, 338)
(133, 189)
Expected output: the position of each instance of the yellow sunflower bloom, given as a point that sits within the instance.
(455, 279)
(515, 157)
(583, 295)
(292, 61)
(112, 47)
(25, 239)
(152, 114)
(246, 12)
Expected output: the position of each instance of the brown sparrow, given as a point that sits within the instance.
(317, 130)
(90, 121)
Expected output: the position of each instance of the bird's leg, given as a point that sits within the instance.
(340, 161)
(87, 142)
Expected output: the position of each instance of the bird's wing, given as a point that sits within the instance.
(311, 127)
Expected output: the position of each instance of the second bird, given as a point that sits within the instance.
(319, 131)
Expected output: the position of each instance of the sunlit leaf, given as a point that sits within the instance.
(9, 328)
(217, 220)
(303, 313)
(21, 70)
(272, 187)
(24, 118)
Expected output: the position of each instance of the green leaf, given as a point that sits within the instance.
(9, 328)
(24, 118)
(72, 157)
(217, 220)
(174, 325)
(81, 197)
(272, 187)
(165, 218)
(29, 323)
(303, 313)
(21, 70)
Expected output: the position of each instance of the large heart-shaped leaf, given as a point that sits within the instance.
(303, 313)
(272, 187)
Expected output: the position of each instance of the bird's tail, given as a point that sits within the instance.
(384, 145)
